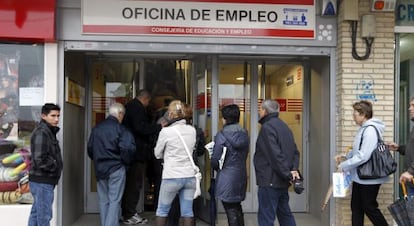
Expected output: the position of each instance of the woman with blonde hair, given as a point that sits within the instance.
(178, 173)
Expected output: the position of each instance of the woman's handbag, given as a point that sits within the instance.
(381, 162)
(197, 175)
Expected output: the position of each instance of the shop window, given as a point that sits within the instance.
(21, 98)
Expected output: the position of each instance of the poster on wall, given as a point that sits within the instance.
(8, 95)
(74, 93)
(224, 18)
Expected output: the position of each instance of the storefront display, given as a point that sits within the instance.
(21, 81)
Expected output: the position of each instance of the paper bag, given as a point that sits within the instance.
(222, 158)
(341, 184)
(209, 147)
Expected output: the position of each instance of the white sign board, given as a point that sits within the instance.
(222, 18)
(31, 96)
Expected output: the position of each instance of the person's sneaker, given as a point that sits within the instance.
(141, 220)
(130, 221)
(136, 219)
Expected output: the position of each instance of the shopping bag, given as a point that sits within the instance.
(402, 210)
(222, 158)
(198, 178)
(341, 184)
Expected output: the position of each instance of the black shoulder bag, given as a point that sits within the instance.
(381, 162)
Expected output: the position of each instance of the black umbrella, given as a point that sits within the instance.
(402, 210)
(213, 207)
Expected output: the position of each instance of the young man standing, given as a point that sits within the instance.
(46, 165)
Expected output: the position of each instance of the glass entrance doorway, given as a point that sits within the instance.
(207, 83)
(114, 78)
(247, 83)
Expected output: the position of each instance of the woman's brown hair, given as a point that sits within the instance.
(363, 107)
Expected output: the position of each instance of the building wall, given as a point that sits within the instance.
(351, 73)
(73, 130)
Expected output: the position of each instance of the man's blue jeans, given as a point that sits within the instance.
(43, 196)
(110, 194)
(272, 202)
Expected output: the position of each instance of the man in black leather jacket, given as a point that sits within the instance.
(46, 165)
(276, 162)
(138, 122)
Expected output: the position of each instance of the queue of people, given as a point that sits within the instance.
(124, 148)
(120, 147)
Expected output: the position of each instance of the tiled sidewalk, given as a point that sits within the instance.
(250, 220)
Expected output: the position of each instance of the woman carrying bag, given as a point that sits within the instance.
(172, 145)
(364, 191)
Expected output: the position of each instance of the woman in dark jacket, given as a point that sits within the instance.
(231, 180)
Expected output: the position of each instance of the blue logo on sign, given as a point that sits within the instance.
(295, 17)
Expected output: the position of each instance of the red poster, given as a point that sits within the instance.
(282, 104)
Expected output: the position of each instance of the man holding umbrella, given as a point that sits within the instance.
(276, 162)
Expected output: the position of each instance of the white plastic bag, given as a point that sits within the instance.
(341, 184)
(198, 178)
(209, 147)
(222, 158)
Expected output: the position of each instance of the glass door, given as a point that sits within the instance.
(111, 80)
(116, 78)
(201, 88)
(234, 87)
(286, 84)
(247, 83)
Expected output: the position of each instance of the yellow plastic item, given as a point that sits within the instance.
(11, 158)
(18, 169)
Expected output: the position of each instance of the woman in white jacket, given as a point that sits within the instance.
(178, 173)
(364, 191)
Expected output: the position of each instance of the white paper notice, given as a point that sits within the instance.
(222, 158)
(31, 96)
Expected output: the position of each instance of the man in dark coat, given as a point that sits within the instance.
(276, 162)
(137, 120)
(112, 148)
(407, 151)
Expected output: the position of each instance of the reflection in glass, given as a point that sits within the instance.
(19, 65)
(234, 88)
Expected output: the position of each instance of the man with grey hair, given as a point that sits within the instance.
(276, 162)
(112, 148)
